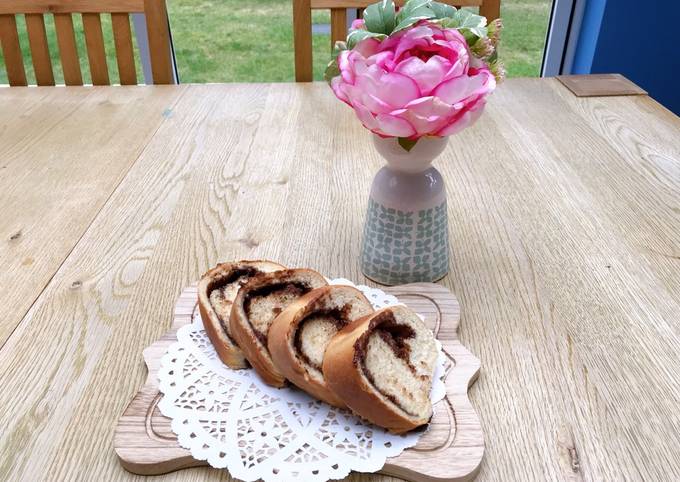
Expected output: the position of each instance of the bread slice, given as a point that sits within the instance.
(299, 336)
(216, 293)
(256, 305)
(382, 366)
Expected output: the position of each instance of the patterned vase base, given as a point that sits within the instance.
(405, 246)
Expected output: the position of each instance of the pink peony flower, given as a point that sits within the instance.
(421, 81)
(358, 24)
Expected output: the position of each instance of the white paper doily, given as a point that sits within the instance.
(231, 419)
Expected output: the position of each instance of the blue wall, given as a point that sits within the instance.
(640, 40)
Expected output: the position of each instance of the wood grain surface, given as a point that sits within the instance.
(564, 223)
(598, 85)
(146, 444)
(62, 157)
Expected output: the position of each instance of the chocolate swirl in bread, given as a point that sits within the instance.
(256, 306)
(299, 336)
(217, 290)
(382, 366)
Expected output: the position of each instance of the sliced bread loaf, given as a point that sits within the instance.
(257, 303)
(298, 337)
(217, 290)
(382, 366)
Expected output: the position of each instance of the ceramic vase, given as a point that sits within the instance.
(406, 227)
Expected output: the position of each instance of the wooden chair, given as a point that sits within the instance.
(34, 11)
(302, 24)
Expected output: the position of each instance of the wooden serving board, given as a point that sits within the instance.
(451, 450)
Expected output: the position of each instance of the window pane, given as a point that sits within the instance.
(526, 25)
(237, 41)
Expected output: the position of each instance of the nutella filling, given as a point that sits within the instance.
(222, 292)
(394, 335)
(263, 304)
(320, 324)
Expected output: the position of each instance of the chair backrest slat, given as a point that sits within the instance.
(71, 6)
(326, 4)
(40, 52)
(11, 51)
(302, 38)
(68, 50)
(491, 9)
(338, 24)
(159, 41)
(122, 37)
(157, 27)
(96, 54)
(302, 24)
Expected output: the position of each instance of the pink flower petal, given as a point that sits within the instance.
(452, 51)
(453, 35)
(343, 59)
(375, 105)
(382, 60)
(415, 37)
(352, 92)
(465, 119)
(367, 79)
(458, 68)
(458, 89)
(397, 90)
(393, 126)
(423, 125)
(345, 66)
(367, 47)
(427, 75)
(337, 86)
(365, 116)
(426, 106)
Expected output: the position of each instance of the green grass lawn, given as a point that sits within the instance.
(237, 41)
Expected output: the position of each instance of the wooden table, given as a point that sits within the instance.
(564, 224)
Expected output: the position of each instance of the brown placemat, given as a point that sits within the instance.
(595, 85)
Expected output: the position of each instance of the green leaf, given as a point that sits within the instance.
(442, 10)
(356, 36)
(475, 24)
(339, 47)
(413, 11)
(470, 37)
(467, 19)
(424, 14)
(407, 143)
(471, 26)
(331, 71)
(380, 17)
(493, 57)
(412, 6)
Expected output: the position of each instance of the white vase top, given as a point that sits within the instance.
(417, 159)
